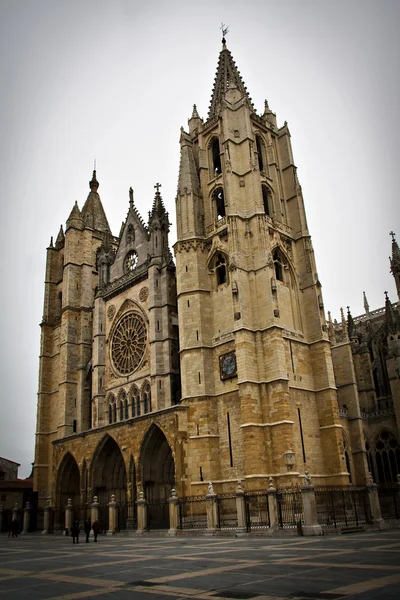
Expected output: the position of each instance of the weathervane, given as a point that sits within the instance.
(225, 29)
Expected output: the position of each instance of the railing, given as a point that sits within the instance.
(257, 510)
(342, 506)
(227, 511)
(290, 508)
(389, 500)
(192, 513)
(158, 515)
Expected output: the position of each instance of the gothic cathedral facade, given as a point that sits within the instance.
(218, 367)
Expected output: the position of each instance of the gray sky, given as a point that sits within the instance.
(115, 81)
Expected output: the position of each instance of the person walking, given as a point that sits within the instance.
(75, 532)
(96, 529)
(87, 527)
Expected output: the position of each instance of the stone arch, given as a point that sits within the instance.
(134, 398)
(108, 471)
(68, 482)
(157, 474)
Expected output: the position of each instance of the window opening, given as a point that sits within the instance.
(74, 426)
(266, 194)
(147, 398)
(230, 439)
(387, 457)
(220, 269)
(216, 158)
(259, 145)
(278, 265)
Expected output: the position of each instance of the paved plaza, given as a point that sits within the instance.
(365, 566)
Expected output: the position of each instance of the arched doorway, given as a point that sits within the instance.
(108, 472)
(158, 476)
(68, 488)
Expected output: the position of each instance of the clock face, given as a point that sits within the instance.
(227, 364)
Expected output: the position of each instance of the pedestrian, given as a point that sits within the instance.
(14, 528)
(75, 532)
(87, 527)
(96, 529)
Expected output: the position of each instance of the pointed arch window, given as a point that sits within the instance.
(215, 158)
(59, 305)
(262, 162)
(387, 457)
(135, 402)
(267, 200)
(278, 264)
(219, 199)
(112, 410)
(146, 394)
(221, 270)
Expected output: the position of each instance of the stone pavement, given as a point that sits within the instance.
(364, 566)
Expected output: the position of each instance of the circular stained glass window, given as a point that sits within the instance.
(131, 260)
(129, 343)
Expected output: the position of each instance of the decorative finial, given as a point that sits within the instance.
(130, 197)
(392, 233)
(225, 30)
(94, 184)
(386, 297)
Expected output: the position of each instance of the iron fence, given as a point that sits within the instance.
(389, 500)
(290, 508)
(227, 511)
(192, 513)
(257, 510)
(126, 515)
(158, 515)
(339, 507)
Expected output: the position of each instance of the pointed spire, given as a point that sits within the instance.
(93, 212)
(350, 323)
(227, 76)
(158, 209)
(75, 218)
(195, 114)
(51, 242)
(60, 238)
(344, 326)
(390, 315)
(366, 305)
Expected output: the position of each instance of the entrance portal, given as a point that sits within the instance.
(158, 473)
(109, 473)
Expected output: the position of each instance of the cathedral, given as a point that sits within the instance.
(163, 371)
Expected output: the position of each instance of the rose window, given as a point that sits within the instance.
(129, 343)
(131, 260)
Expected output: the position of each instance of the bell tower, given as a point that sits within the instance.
(256, 366)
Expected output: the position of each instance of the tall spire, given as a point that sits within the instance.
(227, 76)
(366, 305)
(158, 209)
(93, 213)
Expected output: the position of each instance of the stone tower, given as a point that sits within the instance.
(64, 394)
(256, 365)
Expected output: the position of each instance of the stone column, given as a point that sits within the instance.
(212, 511)
(94, 512)
(68, 516)
(272, 507)
(15, 512)
(375, 507)
(46, 518)
(141, 514)
(311, 526)
(241, 510)
(173, 513)
(112, 516)
(27, 518)
(1, 516)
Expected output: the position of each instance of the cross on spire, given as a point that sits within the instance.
(392, 233)
(158, 185)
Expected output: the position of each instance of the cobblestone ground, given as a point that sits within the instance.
(364, 566)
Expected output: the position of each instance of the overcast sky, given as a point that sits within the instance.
(115, 80)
